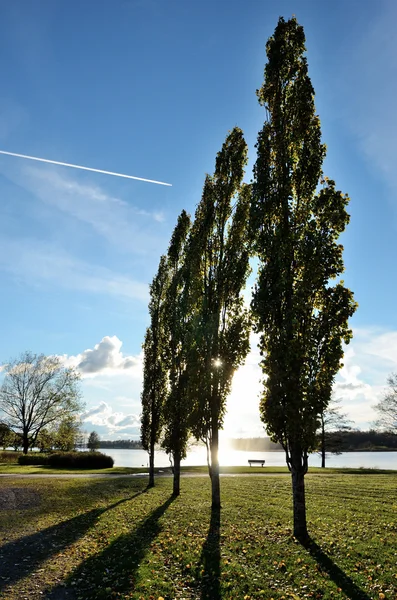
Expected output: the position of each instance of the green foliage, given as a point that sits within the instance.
(93, 441)
(45, 440)
(80, 460)
(8, 456)
(218, 255)
(36, 392)
(33, 458)
(346, 440)
(154, 365)
(154, 368)
(4, 435)
(123, 444)
(301, 315)
(177, 324)
(8, 438)
(67, 434)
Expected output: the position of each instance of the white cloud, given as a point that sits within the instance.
(360, 384)
(106, 358)
(349, 383)
(110, 422)
(37, 264)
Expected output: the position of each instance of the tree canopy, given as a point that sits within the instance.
(219, 259)
(37, 391)
(93, 441)
(154, 367)
(177, 316)
(297, 215)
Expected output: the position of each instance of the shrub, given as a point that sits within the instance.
(80, 460)
(9, 456)
(33, 458)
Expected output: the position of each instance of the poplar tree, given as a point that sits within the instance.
(297, 216)
(218, 257)
(154, 367)
(177, 318)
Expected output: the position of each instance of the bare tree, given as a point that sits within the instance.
(331, 421)
(387, 407)
(37, 391)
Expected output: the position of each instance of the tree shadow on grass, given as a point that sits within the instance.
(21, 557)
(114, 570)
(210, 560)
(338, 576)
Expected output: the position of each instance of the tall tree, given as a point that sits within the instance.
(154, 367)
(37, 391)
(218, 256)
(5, 435)
(93, 441)
(302, 318)
(45, 441)
(67, 433)
(177, 319)
(387, 407)
(333, 424)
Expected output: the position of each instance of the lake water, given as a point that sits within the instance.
(227, 457)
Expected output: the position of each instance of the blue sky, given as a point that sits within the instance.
(151, 88)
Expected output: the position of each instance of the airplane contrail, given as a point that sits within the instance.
(63, 164)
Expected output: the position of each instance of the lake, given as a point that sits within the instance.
(228, 457)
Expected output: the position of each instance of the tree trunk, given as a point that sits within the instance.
(25, 443)
(298, 492)
(215, 482)
(322, 446)
(151, 465)
(298, 470)
(177, 474)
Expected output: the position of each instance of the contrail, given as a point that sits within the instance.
(62, 164)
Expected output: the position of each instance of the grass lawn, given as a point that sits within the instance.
(112, 538)
(15, 469)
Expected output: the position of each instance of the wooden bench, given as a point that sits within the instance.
(256, 462)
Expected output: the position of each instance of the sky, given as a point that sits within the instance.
(150, 88)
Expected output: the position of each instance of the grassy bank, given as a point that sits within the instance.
(110, 538)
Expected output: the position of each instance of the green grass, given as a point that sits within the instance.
(112, 538)
(15, 469)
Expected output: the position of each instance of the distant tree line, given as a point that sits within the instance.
(337, 441)
(121, 444)
(353, 441)
(65, 435)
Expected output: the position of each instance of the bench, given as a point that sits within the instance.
(256, 462)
